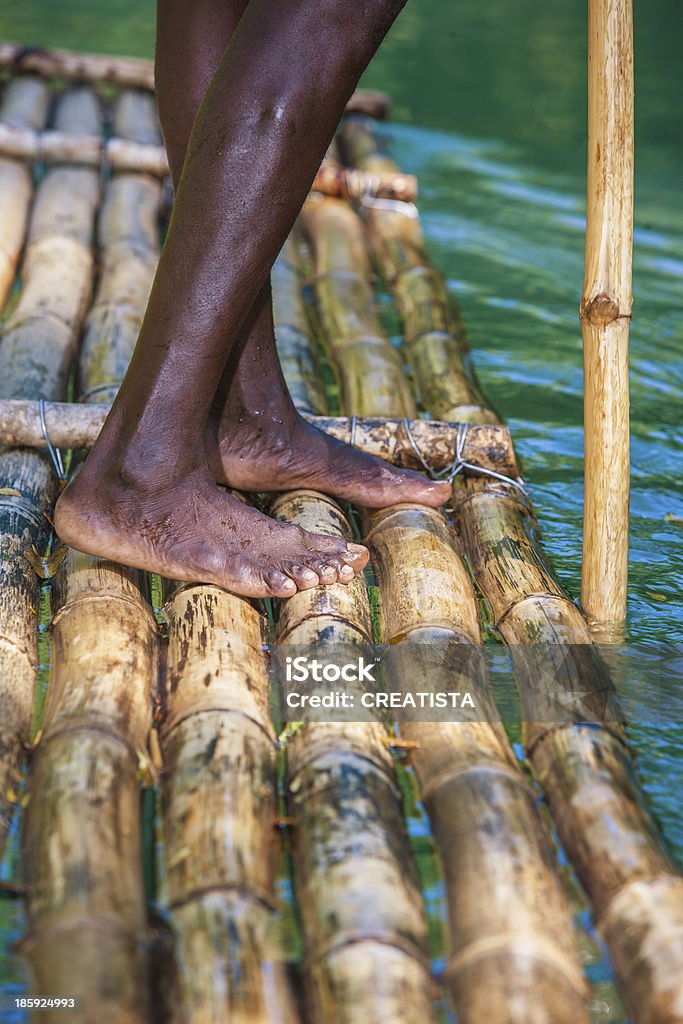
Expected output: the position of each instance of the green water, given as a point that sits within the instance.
(489, 110)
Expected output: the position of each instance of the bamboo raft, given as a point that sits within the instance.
(171, 695)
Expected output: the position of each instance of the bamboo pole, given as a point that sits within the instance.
(508, 916)
(128, 231)
(435, 342)
(127, 72)
(35, 349)
(85, 903)
(606, 310)
(364, 358)
(394, 440)
(119, 154)
(513, 952)
(219, 808)
(40, 336)
(24, 105)
(86, 907)
(355, 882)
(587, 775)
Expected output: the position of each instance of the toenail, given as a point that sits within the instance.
(328, 571)
(308, 574)
(346, 570)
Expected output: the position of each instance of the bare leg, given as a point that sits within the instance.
(256, 439)
(145, 495)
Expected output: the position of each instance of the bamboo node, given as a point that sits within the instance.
(601, 310)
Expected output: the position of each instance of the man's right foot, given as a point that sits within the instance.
(194, 531)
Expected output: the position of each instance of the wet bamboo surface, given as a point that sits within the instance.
(38, 341)
(513, 954)
(587, 774)
(82, 853)
(361, 910)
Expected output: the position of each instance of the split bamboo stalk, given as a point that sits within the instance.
(435, 343)
(355, 881)
(587, 775)
(606, 310)
(86, 907)
(514, 920)
(219, 808)
(35, 350)
(24, 105)
(490, 447)
(513, 955)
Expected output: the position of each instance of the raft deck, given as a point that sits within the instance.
(164, 687)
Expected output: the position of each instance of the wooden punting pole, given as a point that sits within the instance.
(606, 310)
(587, 774)
(483, 811)
(86, 906)
(36, 346)
(356, 886)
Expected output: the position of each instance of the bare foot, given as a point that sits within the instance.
(190, 529)
(280, 451)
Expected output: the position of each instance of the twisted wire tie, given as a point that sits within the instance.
(367, 197)
(55, 453)
(459, 463)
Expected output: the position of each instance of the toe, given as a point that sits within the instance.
(279, 585)
(436, 492)
(304, 577)
(326, 572)
(346, 574)
(356, 556)
(323, 544)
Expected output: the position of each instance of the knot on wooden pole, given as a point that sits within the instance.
(601, 310)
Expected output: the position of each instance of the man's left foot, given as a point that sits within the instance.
(281, 451)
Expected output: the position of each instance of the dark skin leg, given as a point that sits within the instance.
(146, 495)
(256, 439)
